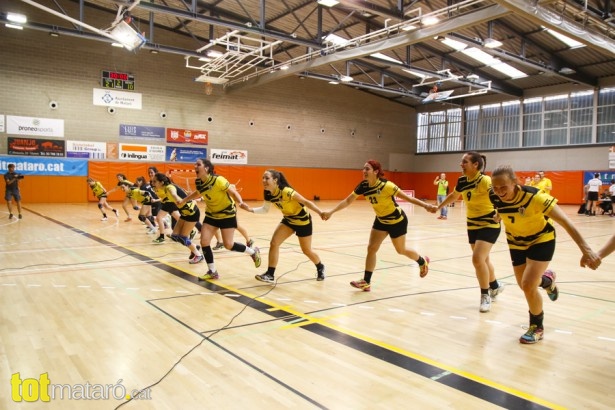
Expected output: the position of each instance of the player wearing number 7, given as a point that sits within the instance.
(528, 214)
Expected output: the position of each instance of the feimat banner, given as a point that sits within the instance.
(227, 156)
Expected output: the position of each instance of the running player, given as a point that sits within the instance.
(528, 214)
(219, 197)
(483, 229)
(390, 219)
(121, 182)
(99, 192)
(188, 210)
(296, 220)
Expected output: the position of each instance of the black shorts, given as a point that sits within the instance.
(484, 234)
(300, 230)
(155, 208)
(539, 252)
(592, 196)
(221, 223)
(169, 207)
(394, 230)
(102, 196)
(192, 218)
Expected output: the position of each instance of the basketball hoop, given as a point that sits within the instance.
(209, 89)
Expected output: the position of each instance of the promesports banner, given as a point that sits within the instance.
(137, 152)
(45, 166)
(34, 126)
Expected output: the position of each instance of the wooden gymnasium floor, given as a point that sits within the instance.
(85, 301)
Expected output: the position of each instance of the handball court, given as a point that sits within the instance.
(86, 301)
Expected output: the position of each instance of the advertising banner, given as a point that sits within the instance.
(45, 166)
(605, 176)
(184, 154)
(141, 132)
(33, 126)
(114, 98)
(227, 156)
(181, 136)
(35, 147)
(86, 149)
(1, 122)
(136, 152)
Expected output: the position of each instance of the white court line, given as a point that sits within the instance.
(566, 332)
(459, 317)
(608, 339)
(396, 310)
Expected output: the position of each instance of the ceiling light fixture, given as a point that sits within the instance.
(16, 18)
(492, 43)
(15, 26)
(327, 3)
(429, 20)
(346, 78)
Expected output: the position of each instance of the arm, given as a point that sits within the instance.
(412, 200)
(435, 181)
(192, 196)
(608, 248)
(590, 258)
(233, 192)
(349, 199)
(453, 196)
(299, 198)
(260, 210)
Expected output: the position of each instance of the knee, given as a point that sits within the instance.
(142, 218)
(99, 206)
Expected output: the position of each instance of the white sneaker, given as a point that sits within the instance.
(485, 303)
(151, 231)
(104, 218)
(493, 293)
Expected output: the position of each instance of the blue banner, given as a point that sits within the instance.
(605, 176)
(185, 154)
(45, 166)
(141, 132)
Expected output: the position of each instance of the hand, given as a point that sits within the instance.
(432, 209)
(590, 260)
(325, 215)
(244, 206)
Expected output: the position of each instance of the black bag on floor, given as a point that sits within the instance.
(581, 209)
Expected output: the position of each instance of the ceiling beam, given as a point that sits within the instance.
(413, 37)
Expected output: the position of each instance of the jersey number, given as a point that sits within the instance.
(469, 195)
(373, 200)
(512, 219)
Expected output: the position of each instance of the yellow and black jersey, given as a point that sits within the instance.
(382, 197)
(98, 190)
(525, 217)
(189, 207)
(475, 195)
(142, 197)
(214, 191)
(294, 212)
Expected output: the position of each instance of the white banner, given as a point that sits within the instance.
(86, 149)
(227, 156)
(137, 152)
(33, 126)
(1, 122)
(114, 98)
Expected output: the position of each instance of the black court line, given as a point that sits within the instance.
(436, 374)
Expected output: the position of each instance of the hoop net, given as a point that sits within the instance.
(209, 88)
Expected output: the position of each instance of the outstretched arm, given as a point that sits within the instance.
(449, 198)
(428, 207)
(260, 210)
(349, 199)
(590, 258)
(299, 198)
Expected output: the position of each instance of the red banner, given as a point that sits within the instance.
(181, 136)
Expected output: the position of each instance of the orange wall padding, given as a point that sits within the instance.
(328, 184)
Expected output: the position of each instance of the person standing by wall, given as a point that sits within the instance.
(483, 229)
(442, 184)
(593, 192)
(12, 190)
(544, 183)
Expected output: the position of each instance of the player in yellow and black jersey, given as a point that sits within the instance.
(219, 197)
(99, 192)
(483, 230)
(390, 219)
(528, 214)
(189, 211)
(122, 181)
(296, 219)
